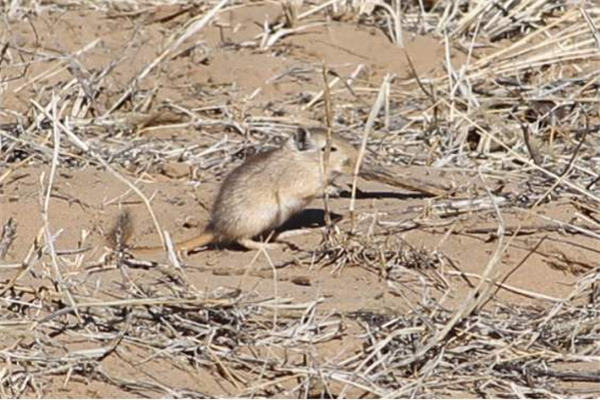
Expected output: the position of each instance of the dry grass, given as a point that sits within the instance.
(531, 66)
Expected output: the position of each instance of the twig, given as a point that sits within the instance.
(379, 102)
(9, 232)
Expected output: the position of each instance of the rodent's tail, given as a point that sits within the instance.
(202, 239)
(186, 246)
(120, 233)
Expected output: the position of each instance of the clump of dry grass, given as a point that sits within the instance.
(522, 108)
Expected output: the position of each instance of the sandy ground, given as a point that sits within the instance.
(216, 69)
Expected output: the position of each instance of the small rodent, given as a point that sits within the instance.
(268, 188)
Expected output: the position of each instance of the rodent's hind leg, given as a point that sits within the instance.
(254, 245)
(296, 232)
(282, 237)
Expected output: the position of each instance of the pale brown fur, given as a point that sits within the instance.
(270, 187)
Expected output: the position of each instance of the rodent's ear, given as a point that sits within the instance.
(302, 140)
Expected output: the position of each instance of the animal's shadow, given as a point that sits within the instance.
(346, 194)
(315, 217)
(307, 218)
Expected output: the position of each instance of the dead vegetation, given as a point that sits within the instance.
(519, 115)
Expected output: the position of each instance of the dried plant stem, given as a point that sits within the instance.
(62, 287)
(377, 106)
(334, 82)
(326, 156)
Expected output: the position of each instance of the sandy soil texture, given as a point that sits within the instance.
(486, 286)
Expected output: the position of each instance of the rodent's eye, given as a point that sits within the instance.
(333, 149)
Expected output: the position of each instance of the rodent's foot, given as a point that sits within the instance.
(334, 191)
(254, 245)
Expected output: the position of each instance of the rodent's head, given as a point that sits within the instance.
(313, 142)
